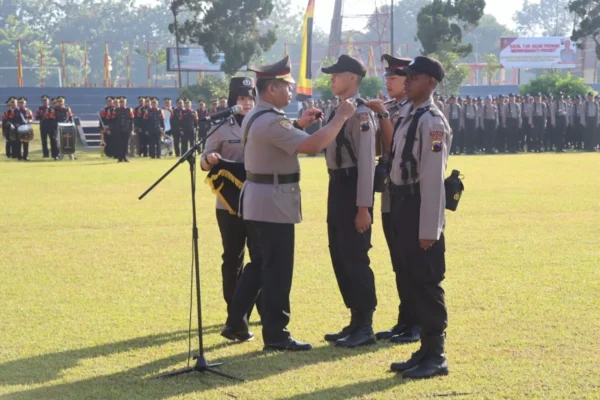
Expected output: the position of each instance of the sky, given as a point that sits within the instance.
(503, 10)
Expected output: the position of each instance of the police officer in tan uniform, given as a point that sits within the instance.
(488, 119)
(270, 202)
(419, 156)
(512, 122)
(405, 330)
(351, 166)
(226, 143)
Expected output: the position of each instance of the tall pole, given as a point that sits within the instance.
(174, 10)
(392, 28)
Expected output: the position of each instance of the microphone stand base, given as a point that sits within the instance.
(201, 366)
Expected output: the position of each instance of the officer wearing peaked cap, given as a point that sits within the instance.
(270, 202)
(405, 329)
(351, 165)
(419, 156)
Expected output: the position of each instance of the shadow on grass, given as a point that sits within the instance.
(136, 382)
(353, 390)
(48, 367)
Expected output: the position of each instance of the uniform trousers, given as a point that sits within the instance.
(233, 238)
(122, 146)
(457, 142)
(109, 145)
(525, 132)
(348, 248)
(537, 133)
(9, 146)
(500, 142)
(49, 135)
(271, 247)
(406, 309)
(20, 149)
(512, 134)
(548, 135)
(154, 144)
(176, 141)
(470, 136)
(425, 269)
(144, 143)
(489, 131)
(559, 132)
(589, 139)
(187, 140)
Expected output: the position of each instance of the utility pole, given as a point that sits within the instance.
(392, 28)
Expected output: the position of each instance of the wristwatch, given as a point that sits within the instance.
(383, 115)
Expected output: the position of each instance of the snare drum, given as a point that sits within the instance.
(25, 133)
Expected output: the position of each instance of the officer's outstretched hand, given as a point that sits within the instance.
(309, 117)
(377, 106)
(346, 109)
(362, 222)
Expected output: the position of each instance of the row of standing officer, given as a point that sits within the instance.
(528, 123)
(49, 114)
(270, 206)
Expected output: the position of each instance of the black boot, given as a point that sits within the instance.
(363, 335)
(396, 330)
(410, 335)
(346, 331)
(434, 363)
(412, 362)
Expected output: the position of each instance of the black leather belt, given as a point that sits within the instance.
(343, 172)
(270, 179)
(401, 191)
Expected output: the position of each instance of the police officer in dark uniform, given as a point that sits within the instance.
(405, 330)
(122, 117)
(453, 114)
(45, 115)
(138, 126)
(188, 123)
(419, 156)
(62, 114)
(8, 118)
(154, 126)
(105, 134)
(270, 202)
(351, 165)
(26, 116)
(176, 119)
(561, 115)
(203, 126)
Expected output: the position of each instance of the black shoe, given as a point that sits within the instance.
(126, 160)
(434, 363)
(46, 157)
(240, 336)
(346, 331)
(289, 344)
(361, 337)
(410, 335)
(396, 330)
(414, 360)
(26, 159)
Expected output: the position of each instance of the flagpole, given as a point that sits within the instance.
(392, 27)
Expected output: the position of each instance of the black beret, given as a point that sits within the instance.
(346, 63)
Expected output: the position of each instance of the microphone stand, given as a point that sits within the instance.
(201, 364)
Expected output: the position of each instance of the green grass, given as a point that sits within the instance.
(94, 295)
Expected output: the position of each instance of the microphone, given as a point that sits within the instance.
(235, 110)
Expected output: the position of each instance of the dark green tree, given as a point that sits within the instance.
(554, 83)
(440, 25)
(588, 12)
(225, 26)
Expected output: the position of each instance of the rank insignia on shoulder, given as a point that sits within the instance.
(436, 141)
(285, 124)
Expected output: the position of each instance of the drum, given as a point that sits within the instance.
(167, 146)
(67, 135)
(25, 133)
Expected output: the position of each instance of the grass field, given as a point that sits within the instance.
(94, 295)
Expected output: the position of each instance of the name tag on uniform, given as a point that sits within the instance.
(235, 141)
